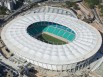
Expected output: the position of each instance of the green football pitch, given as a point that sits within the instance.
(50, 39)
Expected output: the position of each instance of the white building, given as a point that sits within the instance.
(65, 0)
(54, 57)
(54, 0)
(72, 56)
(8, 3)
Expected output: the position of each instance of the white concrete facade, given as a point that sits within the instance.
(64, 0)
(8, 3)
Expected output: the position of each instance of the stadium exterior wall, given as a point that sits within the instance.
(71, 67)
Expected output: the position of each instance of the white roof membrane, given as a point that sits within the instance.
(86, 44)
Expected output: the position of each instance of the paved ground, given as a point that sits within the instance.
(97, 25)
(100, 70)
(6, 71)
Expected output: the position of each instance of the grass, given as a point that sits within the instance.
(50, 39)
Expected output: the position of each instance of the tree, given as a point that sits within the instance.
(3, 10)
(101, 10)
(99, 6)
(92, 3)
(76, 7)
(69, 4)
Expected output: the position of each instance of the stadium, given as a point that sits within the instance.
(51, 40)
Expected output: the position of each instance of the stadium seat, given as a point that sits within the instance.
(61, 32)
(53, 28)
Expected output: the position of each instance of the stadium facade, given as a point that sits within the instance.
(83, 43)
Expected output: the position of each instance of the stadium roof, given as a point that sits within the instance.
(49, 9)
(86, 43)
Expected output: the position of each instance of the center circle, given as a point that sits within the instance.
(50, 32)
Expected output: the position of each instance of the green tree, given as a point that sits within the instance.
(101, 10)
(92, 3)
(3, 10)
(100, 6)
(69, 4)
(76, 7)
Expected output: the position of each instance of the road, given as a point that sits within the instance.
(15, 12)
(98, 23)
(9, 67)
(97, 17)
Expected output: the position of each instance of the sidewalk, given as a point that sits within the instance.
(6, 61)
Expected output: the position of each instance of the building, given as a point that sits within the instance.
(80, 41)
(65, 0)
(8, 3)
(54, 0)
